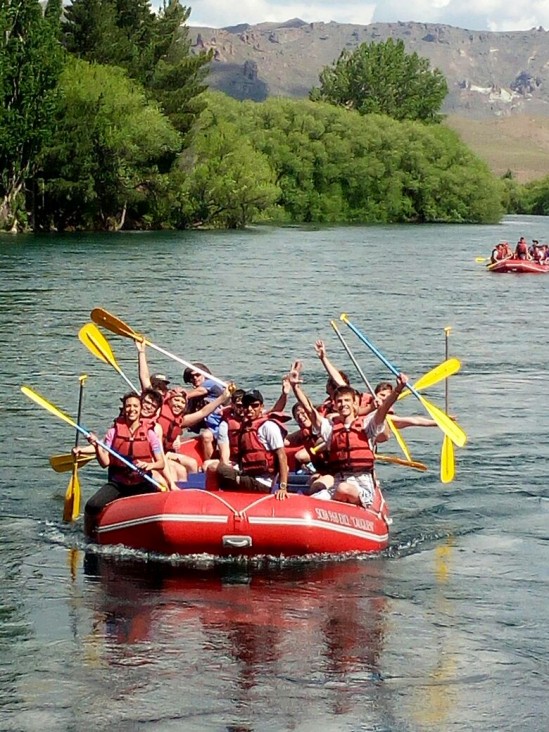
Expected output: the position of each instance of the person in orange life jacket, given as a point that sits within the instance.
(203, 391)
(338, 378)
(151, 404)
(261, 454)
(315, 416)
(307, 436)
(174, 419)
(134, 440)
(349, 442)
(227, 436)
(521, 250)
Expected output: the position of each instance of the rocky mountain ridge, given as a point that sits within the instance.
(489, 74)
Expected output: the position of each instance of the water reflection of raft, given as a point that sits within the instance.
(518, 266)
(195, 521)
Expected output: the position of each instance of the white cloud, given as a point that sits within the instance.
(473, 14)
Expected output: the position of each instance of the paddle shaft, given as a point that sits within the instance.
(82, 379)
(111, 322)
(396, 433)
(353, 359)
(186, 363)
(446, 352)
(381, 357)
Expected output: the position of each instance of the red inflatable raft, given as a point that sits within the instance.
(196, 521)
(518, 266)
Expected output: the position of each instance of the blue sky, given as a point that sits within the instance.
(494, 15)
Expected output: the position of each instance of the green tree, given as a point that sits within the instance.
(224, 181)
(381, 78)
(30, 63)
(154, 49)
(107, 162)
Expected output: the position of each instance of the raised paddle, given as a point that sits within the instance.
(95, 341)
(445, 423)
(394, 430)
(71, 506)
(445, 369)
(115, 325)
(64, 463)
(43, 402)
(447, 458)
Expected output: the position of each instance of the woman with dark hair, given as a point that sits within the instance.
(134, 440)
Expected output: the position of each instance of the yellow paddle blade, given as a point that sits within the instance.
(64, 463)
(399, 461)
(115, 325)
(445, 369)
(71, 508)
(399, 439)
(480, 260)
(445, 423)
(447, 461)
(43, 402)
(91, 337)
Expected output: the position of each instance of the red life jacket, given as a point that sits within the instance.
(522, 249)
(350, 450)
(134, 447)
(172, 426)
(253, 457)
(234, 426)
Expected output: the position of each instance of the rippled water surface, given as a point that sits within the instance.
(446, 631)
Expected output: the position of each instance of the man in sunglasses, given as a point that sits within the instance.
(261, 454)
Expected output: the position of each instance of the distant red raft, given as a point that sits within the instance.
(518, 266)
(196, 521)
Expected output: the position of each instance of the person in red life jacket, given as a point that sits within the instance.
(135, 441)
(261, 455)
(521, 250)
(349, 441)
(173, 419)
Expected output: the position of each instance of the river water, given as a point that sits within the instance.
(446, 631)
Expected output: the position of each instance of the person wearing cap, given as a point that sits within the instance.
(204, 390)
(261, 455)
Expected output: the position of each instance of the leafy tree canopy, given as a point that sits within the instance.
(381, 78)
(154, 49)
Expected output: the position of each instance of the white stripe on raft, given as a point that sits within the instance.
(258, 520)
(166, 517)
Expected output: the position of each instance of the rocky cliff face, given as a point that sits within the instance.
(488, 74)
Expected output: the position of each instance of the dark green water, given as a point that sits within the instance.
(445, 632)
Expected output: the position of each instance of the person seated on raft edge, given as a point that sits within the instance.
(173, 419)
(338, 378)
(521, 250)
(203, 391)
(261, 454)
(229, 427)
(349, 439)
(134, 440)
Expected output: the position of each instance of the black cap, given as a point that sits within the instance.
(252, 396)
